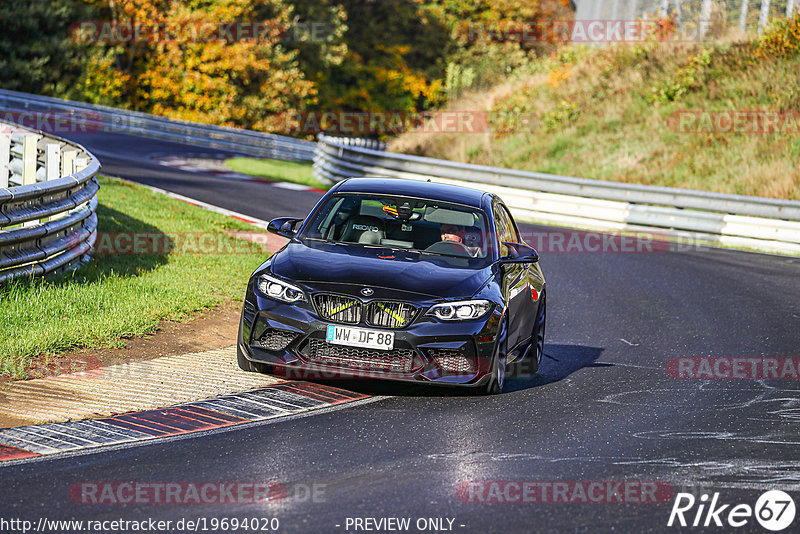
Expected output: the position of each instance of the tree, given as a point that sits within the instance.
(36, 52)
(195, 67)
(394, 57)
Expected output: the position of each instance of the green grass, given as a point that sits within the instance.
(117, 296)
(278, 171)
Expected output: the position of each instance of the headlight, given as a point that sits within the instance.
(279, 290)
(461, 311)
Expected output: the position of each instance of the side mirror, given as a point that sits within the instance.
(283, 226)
(520, 253)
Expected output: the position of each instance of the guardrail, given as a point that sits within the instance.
(702, 217)
(107, 119)
(48, 200)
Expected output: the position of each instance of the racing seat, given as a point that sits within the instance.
(364, 229)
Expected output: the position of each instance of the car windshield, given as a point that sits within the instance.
(426, 226)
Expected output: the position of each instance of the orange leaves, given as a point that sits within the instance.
(558, 75)
(218, 62)
(781, 39)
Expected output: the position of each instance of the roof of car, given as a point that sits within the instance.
(413, 188)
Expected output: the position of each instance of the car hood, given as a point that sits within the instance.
(330, 263)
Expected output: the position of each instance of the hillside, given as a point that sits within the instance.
(651, 113)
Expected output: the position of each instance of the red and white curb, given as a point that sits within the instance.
(280, 400)
(193, 163)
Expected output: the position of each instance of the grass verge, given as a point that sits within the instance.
(278, 171)
(121, 295)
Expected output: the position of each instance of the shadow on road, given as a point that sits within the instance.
(559, 362)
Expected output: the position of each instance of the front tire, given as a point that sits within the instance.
(497, 376)
(537, 340)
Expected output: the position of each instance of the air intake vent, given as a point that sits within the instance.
(390, 314)
(337, 308)
(249, 312)
(396, 360)
(452, 361)
(273, 339)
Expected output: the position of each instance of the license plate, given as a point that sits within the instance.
(360, 337)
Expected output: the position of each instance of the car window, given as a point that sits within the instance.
(423, 225)
(505, 229)
(510, 225)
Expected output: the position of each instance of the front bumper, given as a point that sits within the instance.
(293, 337)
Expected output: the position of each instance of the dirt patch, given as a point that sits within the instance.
(210, 329)
(6, 421)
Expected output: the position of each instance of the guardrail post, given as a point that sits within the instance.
(52, 168)
(68, 162)
(29, 160)
(26, 158)
(80, 164)
(5, 159)
(52, 161)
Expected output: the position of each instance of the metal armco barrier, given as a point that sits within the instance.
(106, 119)
(698, 216)
(48, 200)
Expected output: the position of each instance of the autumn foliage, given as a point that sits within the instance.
(222, 81)
(371, 55)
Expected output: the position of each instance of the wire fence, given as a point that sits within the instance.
(698, 19)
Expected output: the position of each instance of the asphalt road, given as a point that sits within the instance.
(132, 157)
(603, 407)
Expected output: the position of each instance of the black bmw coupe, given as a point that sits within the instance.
(397, 279)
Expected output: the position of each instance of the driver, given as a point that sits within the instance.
(456, 234)
(452, 232)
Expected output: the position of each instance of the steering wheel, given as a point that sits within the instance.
(452, 248)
